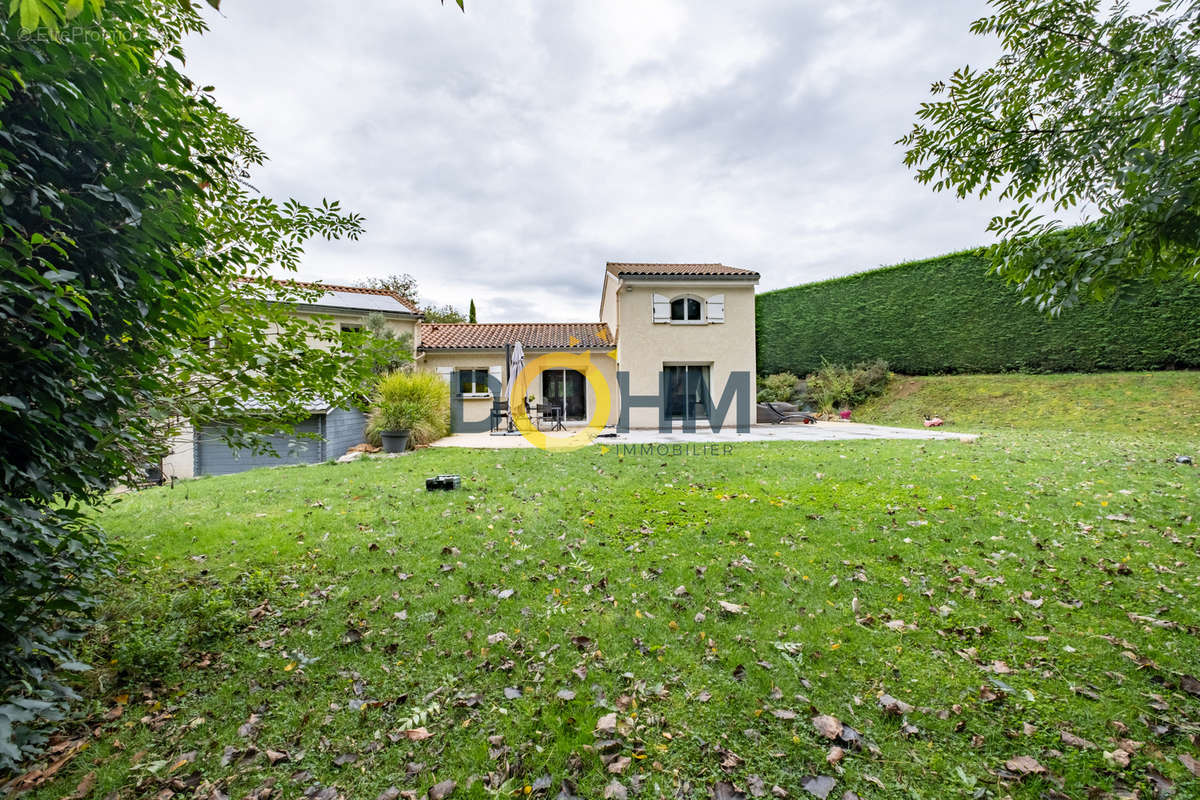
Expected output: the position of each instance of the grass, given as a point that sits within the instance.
(1012, 590)
(1120, 402)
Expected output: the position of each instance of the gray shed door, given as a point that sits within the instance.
(214, 457)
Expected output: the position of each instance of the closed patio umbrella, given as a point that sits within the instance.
(516, 363)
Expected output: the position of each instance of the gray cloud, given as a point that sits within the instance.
(507, 153)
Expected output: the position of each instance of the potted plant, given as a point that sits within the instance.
(396, 421)
(409, 406)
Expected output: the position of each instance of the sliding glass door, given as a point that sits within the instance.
(565, 389)
(687, 391)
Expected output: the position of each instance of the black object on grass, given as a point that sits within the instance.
(443, 482)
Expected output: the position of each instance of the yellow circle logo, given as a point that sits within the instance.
(580, 362)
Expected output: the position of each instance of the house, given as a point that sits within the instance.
(202, 451)
(671, 339)
(679, 331)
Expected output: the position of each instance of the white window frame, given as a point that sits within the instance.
(703, 320)
(458, 371)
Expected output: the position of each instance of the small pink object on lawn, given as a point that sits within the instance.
(845, 414)
(934, 423)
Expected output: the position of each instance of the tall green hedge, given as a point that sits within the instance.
(948, 314)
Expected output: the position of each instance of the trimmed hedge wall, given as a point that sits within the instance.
(949, 315)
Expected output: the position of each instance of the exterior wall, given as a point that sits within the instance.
(214, 457)
(180, 462)
(480, 409)
(344, 428)
(335, 319)
(644, 346)
(446, 363)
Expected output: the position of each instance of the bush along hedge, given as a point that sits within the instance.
(949, 314)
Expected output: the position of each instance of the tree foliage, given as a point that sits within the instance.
(135, 295)
(1090, 108)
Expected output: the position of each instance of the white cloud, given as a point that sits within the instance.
(507, 153)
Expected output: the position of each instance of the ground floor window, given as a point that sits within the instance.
(565, 389)
(473, 383)
(687, 391)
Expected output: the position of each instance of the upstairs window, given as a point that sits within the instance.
(685, 309)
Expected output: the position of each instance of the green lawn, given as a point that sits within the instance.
(362, 634)
(1120, 402)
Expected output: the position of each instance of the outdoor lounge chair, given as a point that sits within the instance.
(778, 416)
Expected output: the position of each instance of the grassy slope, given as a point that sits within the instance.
(1001, 551)
(1121, 402)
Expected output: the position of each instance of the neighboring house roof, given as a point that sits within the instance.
(358, 298)
(531, 335)
(679, 271)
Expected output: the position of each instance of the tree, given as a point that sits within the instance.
(471, 312)
(135, 292)
(1085, 110)
(401, 283)
(446, 313)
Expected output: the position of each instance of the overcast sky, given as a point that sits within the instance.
(507, 153)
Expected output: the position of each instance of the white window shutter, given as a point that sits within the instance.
(716, 308)
(446, 373)
(662, 308)
(497, 373)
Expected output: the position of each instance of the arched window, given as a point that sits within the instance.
(686, 309)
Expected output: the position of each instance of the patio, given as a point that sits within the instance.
(817, 432)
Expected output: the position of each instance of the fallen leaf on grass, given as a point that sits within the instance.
(607, 724)
(894, 705)
(84, 788)
(615, 791)
(390, 793)
(729, 608)
(345, 758)
(441, 790)
(783, 713)
(827, 726)
(1072, 740)
(1193, 766)
(565, 694)
(276, 756)
(619, 764)
(724, 790)
(249, 727)
(818, 786)
(836, 754)
(417, 734)
(1117, 757)
(1024, 765)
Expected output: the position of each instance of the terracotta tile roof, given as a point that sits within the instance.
(697, 270)
(531, 335)
(404, 301)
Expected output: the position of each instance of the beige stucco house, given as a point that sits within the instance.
(675, 331)
(670, 344)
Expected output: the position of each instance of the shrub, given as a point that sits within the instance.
(830, 387)
(947, 315)
(415, 401)
(835, 386)
(777, 388)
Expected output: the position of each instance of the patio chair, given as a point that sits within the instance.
(778, 416)
(499, 414)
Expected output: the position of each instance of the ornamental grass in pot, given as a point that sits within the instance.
(409, 407)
